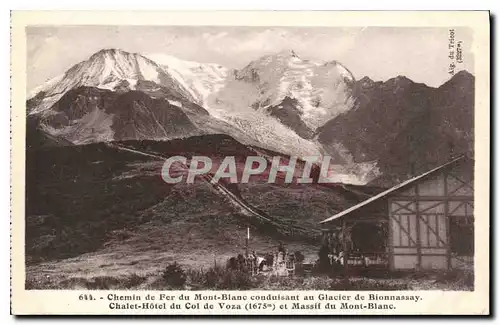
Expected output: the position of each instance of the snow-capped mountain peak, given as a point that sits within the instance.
(200, 79)
(321, 90)
(108, 69)
(287, 53)
(103, 69)
(277, 101)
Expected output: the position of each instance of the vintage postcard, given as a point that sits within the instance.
(251, 163)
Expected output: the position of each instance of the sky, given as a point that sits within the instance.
(381, 53)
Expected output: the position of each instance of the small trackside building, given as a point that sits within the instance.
(426, 222)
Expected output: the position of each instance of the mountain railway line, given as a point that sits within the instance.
(246, 208)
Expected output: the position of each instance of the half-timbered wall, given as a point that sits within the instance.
(420, 216)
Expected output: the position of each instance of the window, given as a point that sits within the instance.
(369, 237)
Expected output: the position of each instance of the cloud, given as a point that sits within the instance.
(42, 59)
(211, 38)
(379, 52)
(45, 51)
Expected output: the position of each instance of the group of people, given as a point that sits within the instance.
(329, 258)
(251, 263)
(255, 263)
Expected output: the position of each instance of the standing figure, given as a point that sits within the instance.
(252, 262)
(324, 260)
(281, 248)
(241, 262)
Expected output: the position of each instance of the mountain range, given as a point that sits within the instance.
(98, 135)
(374, 131)
(407, 127)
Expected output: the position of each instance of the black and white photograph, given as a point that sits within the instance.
(232, 159)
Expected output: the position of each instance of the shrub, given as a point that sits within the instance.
(195, 278)
(235, 280)
(174, 275)
(96, 283)
(29, 284)
(220, 278)
(133, 281)
(367, 284)
(212, 277)
(467, 279)
(457, 279)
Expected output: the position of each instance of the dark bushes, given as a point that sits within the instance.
(220, 278)
(174, 275)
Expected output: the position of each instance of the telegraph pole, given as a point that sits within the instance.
(247, 240)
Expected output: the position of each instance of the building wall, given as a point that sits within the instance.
(420, 217)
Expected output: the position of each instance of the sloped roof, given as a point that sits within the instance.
(389, 191)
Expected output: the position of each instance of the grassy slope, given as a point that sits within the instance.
(93, 210)
(77, 195)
